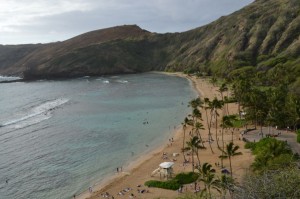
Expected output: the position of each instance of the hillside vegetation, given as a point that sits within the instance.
(262, 35)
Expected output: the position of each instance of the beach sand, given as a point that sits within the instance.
(136, 174)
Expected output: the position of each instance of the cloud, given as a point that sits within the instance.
(16, 13)
(46, 21)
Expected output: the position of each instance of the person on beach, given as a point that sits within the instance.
(90, 189)
(117, 169)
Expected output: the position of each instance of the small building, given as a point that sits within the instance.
(165, 170)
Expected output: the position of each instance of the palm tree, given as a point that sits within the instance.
(226, 123)
(194, 146)
(195, 103)
(214, 106)
(207, 176)
(199, 126)
(184, 126)
(221, 90)
(206, 107)
(230, 151)
(196, 114)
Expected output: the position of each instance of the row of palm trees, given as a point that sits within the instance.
(194, 142)
(209, 178)
(194, 121)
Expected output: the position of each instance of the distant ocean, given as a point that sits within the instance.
(57, 138)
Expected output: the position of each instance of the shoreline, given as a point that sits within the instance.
(127, 169)
(132, 166)
(138, 171)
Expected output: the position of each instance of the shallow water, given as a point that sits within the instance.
(57, 138)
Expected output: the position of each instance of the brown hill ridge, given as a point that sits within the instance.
(41, 60)
(263, 34)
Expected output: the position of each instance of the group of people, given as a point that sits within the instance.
(164, 156)
(131, 195)
(107, 195)
(171, 142)
(122, 192)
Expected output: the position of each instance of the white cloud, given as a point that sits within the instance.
(44, 20)
(18, 13)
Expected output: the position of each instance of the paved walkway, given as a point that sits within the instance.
(284, 135)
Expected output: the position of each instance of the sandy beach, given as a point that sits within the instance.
(132, 178)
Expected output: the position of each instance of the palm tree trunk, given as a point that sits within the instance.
(223, 146)
(197, 154)
(227, 106)
(193, 161)
(199, 135)
(209, 133)
(217, 140)
(184, 159)
(230, 165)
(209, 192)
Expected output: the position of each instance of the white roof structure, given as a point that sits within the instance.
(166, 165)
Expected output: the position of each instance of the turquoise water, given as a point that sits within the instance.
(57, 138)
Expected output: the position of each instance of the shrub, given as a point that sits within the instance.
(250, 145)
(175, 183)
(239, 123)
(271, 154)
(298, 136)
(282, 161)
(186, 178)
(170, 184)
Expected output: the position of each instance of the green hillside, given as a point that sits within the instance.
(263, 35)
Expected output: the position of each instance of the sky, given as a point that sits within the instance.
(44, 21)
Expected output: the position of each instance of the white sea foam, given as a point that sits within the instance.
(9, 78)
(105, 81)
(122, 81)
(36, 114)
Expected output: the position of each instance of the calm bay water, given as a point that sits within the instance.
(57, 138)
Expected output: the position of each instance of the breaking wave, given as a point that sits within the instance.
(35, 115)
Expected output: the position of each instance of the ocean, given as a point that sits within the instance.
(57, 138)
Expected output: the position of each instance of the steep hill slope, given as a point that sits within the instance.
(264, 29)
(44, 60)
(264, 34)
(9, 54)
